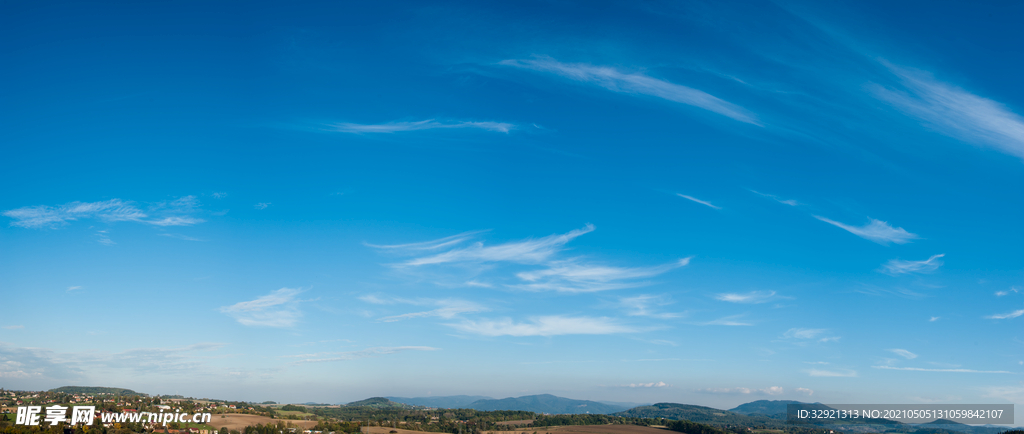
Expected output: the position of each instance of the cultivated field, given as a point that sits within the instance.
(387, 430)
(584, 429)
(239, 421)
(516, 422)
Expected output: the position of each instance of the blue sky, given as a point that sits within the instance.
(691, 202)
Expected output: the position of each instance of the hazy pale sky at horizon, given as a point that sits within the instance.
(696, 202)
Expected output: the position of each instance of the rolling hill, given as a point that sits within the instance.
(378, 402)
(87, 390)
(772, 409)
(693, 413)
(456, 401)
(550, 404)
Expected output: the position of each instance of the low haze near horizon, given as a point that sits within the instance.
(698, 202)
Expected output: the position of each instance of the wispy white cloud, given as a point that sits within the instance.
(1005, 293)
(446, 308)
(799, 333)
(637, 84)
(104, 239)
(429, 124)
(360, 354)
(375, 299)
(176, 221)
(954, 111)
(899, 292)
(896, 266)
(262, 205)
(934, 318)
(826, 373)
(47, 364)
(732, 320)
(277, 309)
(181, 237)
(72, 288)
(904, 353)
(439, 243)
(552, 325)
(789, 202)
(528, 251)
(774, 390)
(461, 255)
(877, 231)
(697, 200)
(808, 335)
(1010, 315)
(643, 305)
(572, 276)
(646, 385)
(170, 213)
(14, 327)
(806, 391)
(43, 216)
(969, 371)
(750, 297)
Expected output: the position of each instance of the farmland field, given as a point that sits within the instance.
(583, 429)
(239, 421)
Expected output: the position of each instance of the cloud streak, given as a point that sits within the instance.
(691, 198)
(646, 385)
(360, 354)
(954, 111)
(643, 305)
(277, 309)
(896, 267)
(173, 213)
(553, 325)
(1010, 315)
(809, 334)
(575, 277)
(774, 390)
(789, 202)
(446, 308)
(876, 230)
(429, 245)
(527, 251)
(752, 297)
(635, 84)
(825, 373)
(429, 124)
(727, 321)
(904, 353)
(968, 371)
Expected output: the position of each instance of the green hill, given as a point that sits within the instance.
(456, 401)
(84, 390)
(378, 402)
(550, 404)
(693, 413)
(773, 409)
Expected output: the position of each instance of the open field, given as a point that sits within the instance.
(239, 421)
(516, 422)
(293, 413)
(387, 430)
(585, 429)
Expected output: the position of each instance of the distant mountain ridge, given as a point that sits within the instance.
(692, 413)
(455, 401)
(773, 409)
(90, 390)
(378, 402)
(546, 403)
